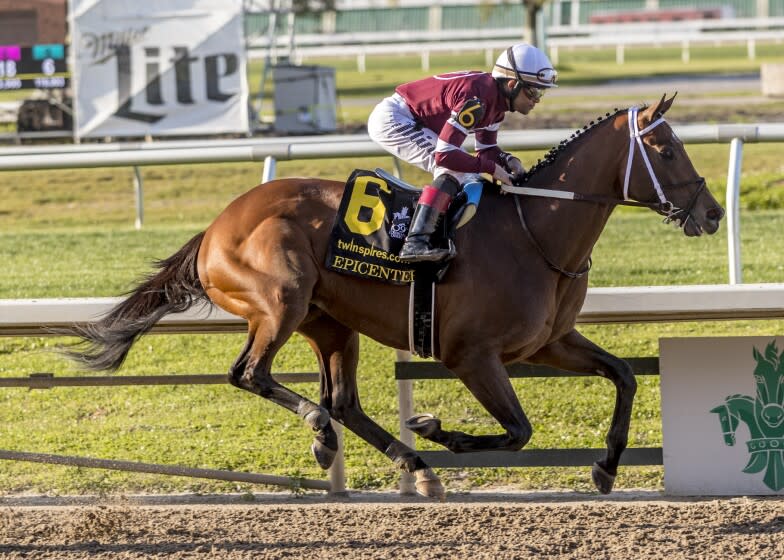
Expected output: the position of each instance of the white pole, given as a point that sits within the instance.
(337, 472)
(268, 174)
(405, 400)
(733, 211)
(425, 60)
(619, 54)
(489, 60)
(138, 189)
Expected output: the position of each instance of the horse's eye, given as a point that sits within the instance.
(667, 153)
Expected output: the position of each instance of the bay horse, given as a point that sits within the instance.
(512, 295)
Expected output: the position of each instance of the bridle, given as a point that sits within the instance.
(664, 207)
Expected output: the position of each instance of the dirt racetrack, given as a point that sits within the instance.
(475, 526)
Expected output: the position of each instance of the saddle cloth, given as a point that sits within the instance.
(370, 227)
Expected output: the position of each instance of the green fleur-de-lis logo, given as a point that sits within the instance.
(764, 415)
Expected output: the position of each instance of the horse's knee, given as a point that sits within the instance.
(622, 375)
(519, 436)
(627, 382)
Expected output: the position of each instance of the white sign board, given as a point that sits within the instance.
(159, 68)
(723, 415)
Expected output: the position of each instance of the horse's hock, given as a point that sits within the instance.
(772, 79)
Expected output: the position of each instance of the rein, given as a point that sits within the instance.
(535, 243)
(664, 207)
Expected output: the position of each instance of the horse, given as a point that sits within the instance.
(512, 294)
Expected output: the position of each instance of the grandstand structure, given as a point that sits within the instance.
(440, 17)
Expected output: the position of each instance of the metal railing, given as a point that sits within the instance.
(353, 146)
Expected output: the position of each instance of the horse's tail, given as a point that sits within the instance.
(173, 289)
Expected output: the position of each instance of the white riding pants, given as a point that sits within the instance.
(392, 126)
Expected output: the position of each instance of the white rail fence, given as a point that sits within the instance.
(750, 32)
(33, 317)
(354, 146)
(602, 305)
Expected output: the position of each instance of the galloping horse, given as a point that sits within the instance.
(512, 295)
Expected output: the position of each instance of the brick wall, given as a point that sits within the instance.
(32, 21)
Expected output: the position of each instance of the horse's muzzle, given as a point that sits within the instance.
(704, 215)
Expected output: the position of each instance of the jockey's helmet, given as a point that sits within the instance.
(527, 64)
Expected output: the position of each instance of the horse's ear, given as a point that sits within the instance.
(657, 111)
(665, 105)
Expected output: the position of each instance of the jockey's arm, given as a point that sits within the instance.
(487, 149)
(450, 155)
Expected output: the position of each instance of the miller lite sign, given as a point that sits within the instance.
(170, 67)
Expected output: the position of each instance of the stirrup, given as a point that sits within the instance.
(429, 253)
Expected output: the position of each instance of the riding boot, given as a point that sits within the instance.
(417, 248)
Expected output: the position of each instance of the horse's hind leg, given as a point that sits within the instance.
(274, 304)
(252, 372)
(576, 353)
(487, 379)
(337, 348)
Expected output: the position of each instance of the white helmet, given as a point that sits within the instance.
(526, 63)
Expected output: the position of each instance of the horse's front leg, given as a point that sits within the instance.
(576, 353)
(487, 379)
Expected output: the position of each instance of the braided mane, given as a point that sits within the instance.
(551, 156)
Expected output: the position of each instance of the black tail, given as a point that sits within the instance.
(173, 289)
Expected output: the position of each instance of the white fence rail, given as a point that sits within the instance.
(34, 317)
(353, 146)
(602, 305)
(686, 34)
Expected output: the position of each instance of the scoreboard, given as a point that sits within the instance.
(36, 67)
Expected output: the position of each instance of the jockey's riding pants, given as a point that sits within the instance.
(392, 126)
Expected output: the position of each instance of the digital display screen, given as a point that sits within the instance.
(36, 67)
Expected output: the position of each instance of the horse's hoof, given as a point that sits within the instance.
(428, 485)
(323, 454)
(424, 424)
(602, 479)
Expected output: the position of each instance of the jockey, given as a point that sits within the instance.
(425, 123)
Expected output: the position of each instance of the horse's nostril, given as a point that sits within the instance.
(715, 214)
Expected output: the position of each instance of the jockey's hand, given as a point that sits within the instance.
(501, 174)
(515, 168)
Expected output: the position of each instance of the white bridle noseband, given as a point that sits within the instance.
(636, 134)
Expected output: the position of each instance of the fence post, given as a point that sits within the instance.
(733, 211)
(405, 401)
(138, 190)
(268, 174)
(337, 472)
(425, 60)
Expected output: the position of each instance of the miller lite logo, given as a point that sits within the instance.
(160, 70)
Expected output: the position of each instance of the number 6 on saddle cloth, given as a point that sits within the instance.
(370, 227)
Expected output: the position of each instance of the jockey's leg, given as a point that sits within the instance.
(432, 205)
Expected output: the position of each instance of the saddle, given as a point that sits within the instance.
(369, 230)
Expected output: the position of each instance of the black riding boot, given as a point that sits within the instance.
(417, 247)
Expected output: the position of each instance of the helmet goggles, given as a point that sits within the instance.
(537, 81)
(532, 92)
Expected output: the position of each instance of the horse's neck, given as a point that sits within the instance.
(567, 229)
